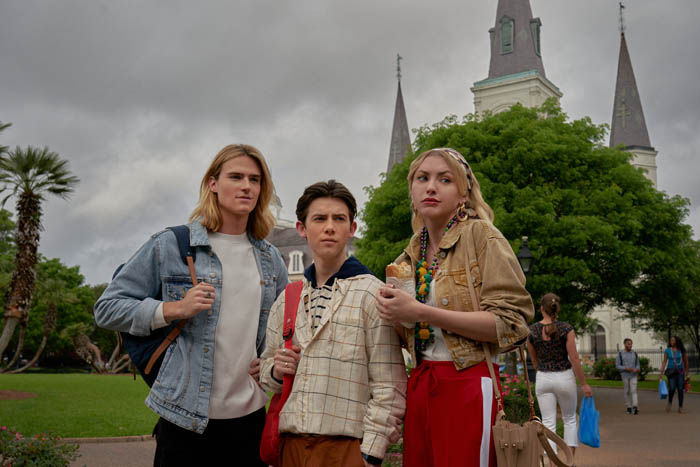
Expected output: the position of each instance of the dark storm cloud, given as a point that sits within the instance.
(139, 96)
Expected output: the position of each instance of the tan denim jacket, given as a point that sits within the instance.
(498, 279)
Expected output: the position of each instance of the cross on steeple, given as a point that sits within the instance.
(623, 113)
(622, 19)
(398, 66)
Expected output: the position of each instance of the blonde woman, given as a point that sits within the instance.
(450, 397)
(207, 392)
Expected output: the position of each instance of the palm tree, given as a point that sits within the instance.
(3, 126)
(29, 175)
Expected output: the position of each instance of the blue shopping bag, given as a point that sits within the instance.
(663, 390)
(588, 432)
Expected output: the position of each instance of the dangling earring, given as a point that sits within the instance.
(462, 212)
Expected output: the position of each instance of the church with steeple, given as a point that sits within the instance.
(516, 72)
(516, 75)
(628, 127)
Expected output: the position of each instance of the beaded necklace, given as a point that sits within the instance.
(424, 333)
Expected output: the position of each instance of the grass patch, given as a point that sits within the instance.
(652, 382)
(77, 405)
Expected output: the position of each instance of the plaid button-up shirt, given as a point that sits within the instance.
(351, 379)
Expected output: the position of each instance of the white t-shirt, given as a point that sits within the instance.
(234, 392)
(437, 351)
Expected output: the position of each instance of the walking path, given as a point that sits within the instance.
(652, 438)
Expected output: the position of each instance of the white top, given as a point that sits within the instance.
(437, 351)
(234, 392)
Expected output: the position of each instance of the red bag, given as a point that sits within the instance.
(686, 385)
(270, 441)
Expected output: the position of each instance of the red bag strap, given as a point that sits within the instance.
(292, 295)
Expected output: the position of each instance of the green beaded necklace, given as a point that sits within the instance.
(424, 333)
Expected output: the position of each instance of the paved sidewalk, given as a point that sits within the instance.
(652, 438)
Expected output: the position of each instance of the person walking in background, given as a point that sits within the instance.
(552, 347)
(450, 400)
(207, 392)
(675, 367)
(627, 363)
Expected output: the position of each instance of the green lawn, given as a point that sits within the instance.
(77, 405)
(652, 382)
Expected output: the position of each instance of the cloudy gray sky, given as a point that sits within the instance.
(140, 95)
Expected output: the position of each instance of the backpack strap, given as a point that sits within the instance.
(182, 235)
(292, 296)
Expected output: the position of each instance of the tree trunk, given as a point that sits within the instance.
(49, 325)
(7, 333)
(20, 344)
(22, 283)
(115, 353)
(121, 364)
(511, 364)
(34, 359)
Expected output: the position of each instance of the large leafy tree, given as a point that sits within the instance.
(594, 221)
(667, 295)
(29, 175)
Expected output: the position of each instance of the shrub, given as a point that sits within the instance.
(42, 450)
(644, 368)
(605, 368)
(515, 400)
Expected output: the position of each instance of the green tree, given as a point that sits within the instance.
(62, 288)
(29, 175)
(667, 295)
(593, 220)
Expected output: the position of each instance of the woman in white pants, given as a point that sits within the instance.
(552, 348)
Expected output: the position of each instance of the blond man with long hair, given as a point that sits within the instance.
(450, 405)
(207, 390)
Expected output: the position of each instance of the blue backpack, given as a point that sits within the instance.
(146, 352)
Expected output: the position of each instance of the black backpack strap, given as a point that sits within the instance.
(182, 235)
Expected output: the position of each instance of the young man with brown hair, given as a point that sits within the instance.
(348, 397)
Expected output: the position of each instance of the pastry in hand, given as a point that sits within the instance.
(401, 277)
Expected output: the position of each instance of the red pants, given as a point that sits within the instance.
(449, 415)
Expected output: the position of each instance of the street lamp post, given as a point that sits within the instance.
(526, 260)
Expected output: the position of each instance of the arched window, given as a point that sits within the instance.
(507, 27)
(598, 342)
(535, 25)
(296, 262)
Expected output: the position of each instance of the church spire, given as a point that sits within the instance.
(516, 74)
(400, 138)
(515, 40)
(628, 125)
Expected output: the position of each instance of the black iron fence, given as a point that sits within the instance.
(656, 358)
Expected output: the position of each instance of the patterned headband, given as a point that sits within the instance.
(459, 158)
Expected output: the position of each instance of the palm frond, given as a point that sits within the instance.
(35, 171)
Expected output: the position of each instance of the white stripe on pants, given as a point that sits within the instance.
(558, 386)
(630, 391)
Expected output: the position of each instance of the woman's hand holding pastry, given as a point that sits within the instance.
(396, 306)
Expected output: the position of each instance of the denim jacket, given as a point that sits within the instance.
(157, 273)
